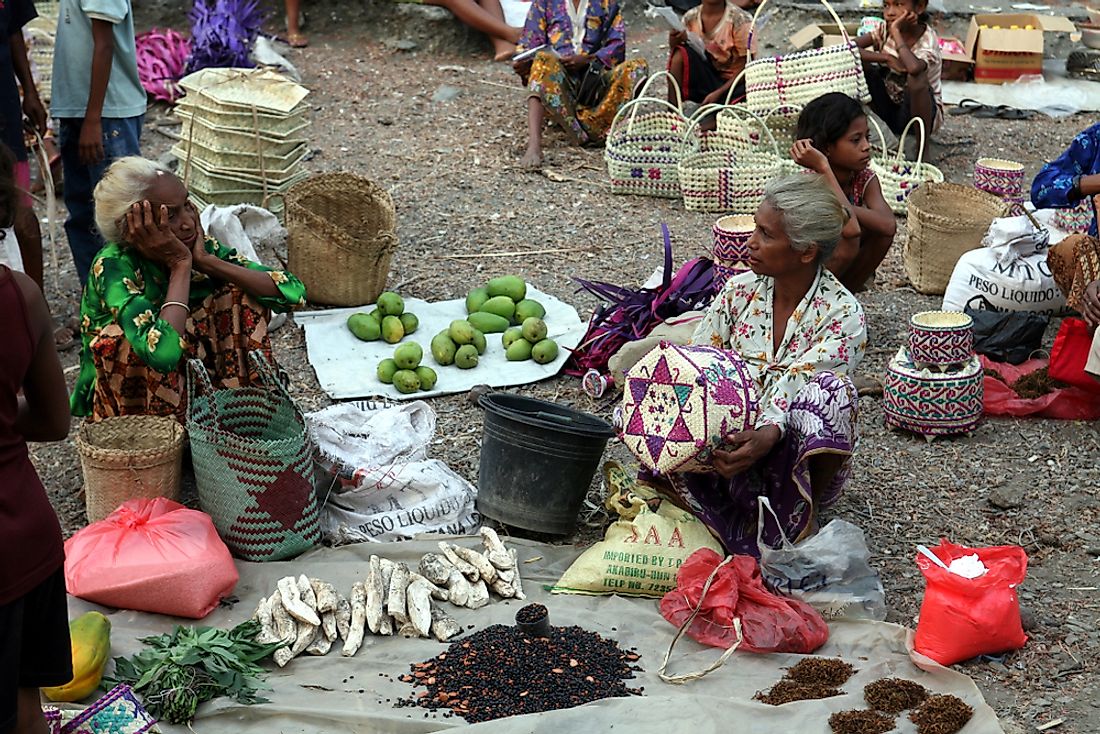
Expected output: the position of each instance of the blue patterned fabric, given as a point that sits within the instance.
(1051, 187)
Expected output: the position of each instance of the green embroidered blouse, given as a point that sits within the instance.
(125, 288)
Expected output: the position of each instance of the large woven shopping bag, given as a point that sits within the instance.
(681, 402)
(801, 77)
(898, 177)
(253, 464)
(642, 150)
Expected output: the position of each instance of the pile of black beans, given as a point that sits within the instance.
(500, 672)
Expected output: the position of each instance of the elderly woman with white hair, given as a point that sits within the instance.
(161, 292)
(800, 333)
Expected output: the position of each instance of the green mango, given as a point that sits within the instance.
(392, 330)
(443, 349)
(427, 377)
(507, 285)
(479, 342)
(462, 332)
(510, 335)
(518, 351)
(488, 323)
(386, 370)
(502, 306)
(409, 322)
(466, 357)
(364, 327)
(408, 356)
(545, 352)
(376, 315)
(390, 304)
(534, 330)
(528, 308)
(475, 298)
(406, 381)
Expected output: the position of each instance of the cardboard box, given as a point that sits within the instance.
(958, 66)
(819, 35)
(1006, 46)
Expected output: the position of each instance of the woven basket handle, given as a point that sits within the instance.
(729, 92)
(752, 27)
(687, 677)
(881, 137)
(267, 373)
(695, 120)
(633, 105)
(920, 148)
(198, 382)
(644, 91)
(736, 110)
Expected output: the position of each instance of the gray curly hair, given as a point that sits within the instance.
(123, 185)
(811, 212)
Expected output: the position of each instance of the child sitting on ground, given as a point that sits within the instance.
(903, 67)
(724, 28)
(832, 139)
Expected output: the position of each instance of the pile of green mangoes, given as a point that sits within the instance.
(404, 370)
(502, 307)
(388, 321)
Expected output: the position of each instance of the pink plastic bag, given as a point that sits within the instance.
(1068, 403)
(151, 556)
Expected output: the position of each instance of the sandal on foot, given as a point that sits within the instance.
(297, 40)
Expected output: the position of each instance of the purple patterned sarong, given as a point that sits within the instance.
(821, 420)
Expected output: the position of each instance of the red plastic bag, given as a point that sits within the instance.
(769, 623)
(1067, 403)
(1070, 353)
(151, 556)
(962, 618)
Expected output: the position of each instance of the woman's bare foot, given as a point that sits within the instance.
(297, 40)
(503, 50)
(531, 160)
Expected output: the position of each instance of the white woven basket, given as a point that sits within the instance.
(642, 151)
(242, 90)
(899, 178)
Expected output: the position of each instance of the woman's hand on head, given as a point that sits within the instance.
(747, 448)
(150, 234)
(806, 155)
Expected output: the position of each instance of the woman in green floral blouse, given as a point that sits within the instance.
(160, 293)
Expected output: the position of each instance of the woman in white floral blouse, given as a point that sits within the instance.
(161, 292)
(801, 333)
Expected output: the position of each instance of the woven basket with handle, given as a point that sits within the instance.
(643, 147)
(342, 235)
(128, 457)
(945, 221)
(898, 177)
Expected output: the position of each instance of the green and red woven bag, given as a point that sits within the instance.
(253, 465)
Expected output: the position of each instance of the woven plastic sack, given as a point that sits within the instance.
(962, 618)
(680, 403)
(144, 553)
(768, 623)
(253, 465)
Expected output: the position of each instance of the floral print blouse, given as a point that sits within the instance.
(826, 332)
(727, 43)
(1051, 188)
(548, 23)
(125, 288)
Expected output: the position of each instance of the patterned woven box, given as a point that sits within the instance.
(941, 338)
(1001, 178)
(731, 251)
(680, 402)
(117, 712)
(1075, 220)
(933, 403)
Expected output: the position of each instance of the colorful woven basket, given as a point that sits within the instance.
(945, 220)
(642, 151)
(933, 403)
(941, 338)
(744, 133)
(1002, 178)
(253, 465)
(1075, 220)
(116, 712)
(799, 78)
(731, 251)
(680, 402)
(898, 177)
(715, 176)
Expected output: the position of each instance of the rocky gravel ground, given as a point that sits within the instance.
(442, 132)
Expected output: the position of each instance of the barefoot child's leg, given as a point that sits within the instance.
(294, 34)
(533, 157)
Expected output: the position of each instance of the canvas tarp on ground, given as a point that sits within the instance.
(311, 696)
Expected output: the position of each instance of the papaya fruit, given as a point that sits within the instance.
(488, 323)
(475, 298)
(511, 286)
(90, 639)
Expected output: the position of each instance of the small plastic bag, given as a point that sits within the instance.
(961, 618)
(830, 571)
(151, 555)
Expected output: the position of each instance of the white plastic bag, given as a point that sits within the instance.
(830, 571)
(378, 483)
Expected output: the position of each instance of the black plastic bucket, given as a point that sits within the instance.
(537, 462)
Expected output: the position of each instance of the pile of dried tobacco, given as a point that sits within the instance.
(894, 695)
(500, 672)
(941, 715)
(860, 722)
(811, 678)
(1037, 384)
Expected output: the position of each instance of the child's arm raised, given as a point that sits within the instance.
(909, 61)
(875, 216)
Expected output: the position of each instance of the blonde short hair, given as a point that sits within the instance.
(123, 185)
(811, 211)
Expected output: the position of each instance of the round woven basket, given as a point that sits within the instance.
(342, 234)
(129, 457)
(941, 338)
(945, 220)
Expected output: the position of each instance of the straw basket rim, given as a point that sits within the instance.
(736, 223)
(954, 205)
(941, 320)
(91, 433)
(245, 89)
(1000, 164)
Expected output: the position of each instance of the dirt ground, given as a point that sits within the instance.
(460, 198)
